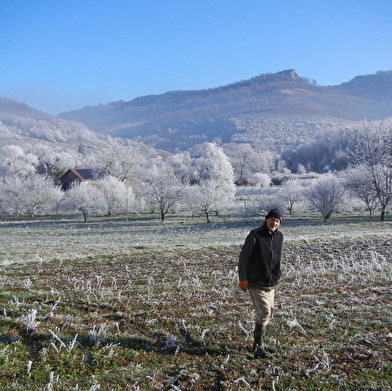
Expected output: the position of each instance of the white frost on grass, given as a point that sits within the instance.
(44, 241)
(30, 318)
(295, 323)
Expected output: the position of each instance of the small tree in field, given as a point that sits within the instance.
(207, 199)
(371, 147)
(119, 197)
(86, 198)
(359, 181)
(326, 195)
(216, 191)
(292, 193)
(165, 188)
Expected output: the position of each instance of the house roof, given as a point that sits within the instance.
(84, 174)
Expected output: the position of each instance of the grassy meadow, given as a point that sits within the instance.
(136, 304)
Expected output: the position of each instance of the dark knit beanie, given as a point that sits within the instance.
(274, 213)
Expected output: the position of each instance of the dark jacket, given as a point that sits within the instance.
(259, 260)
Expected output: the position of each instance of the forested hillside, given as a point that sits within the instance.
(20, 124)
(272, 107)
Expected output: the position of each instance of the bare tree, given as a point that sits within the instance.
(292, 193)
(326, 195)
(360, 182)
(165, 188)
(371, 147)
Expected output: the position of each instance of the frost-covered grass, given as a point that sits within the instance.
(140, 305)
(62, 239)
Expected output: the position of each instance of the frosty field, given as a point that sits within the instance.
(133, 304)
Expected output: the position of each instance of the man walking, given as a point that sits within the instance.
(259, 273)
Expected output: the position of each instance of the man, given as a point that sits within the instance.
(259, 273)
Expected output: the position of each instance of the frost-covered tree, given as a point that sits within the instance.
(241, 158)
(216, 191)
(164, 187)
(204, 199)
(371, 147)
(360, 182)
(181, 165)
(121, 159)
(321, 154)
(215, 165)
(119, 197)
(326, 195)
(248, 163)
(292, 192)
(86, 198)
(54, 163)
(15, 161)
(29, 194)
(10, 199)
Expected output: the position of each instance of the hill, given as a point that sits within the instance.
(20, 124)
(376, 87)
(270, 106)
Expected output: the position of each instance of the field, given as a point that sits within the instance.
(133, 304)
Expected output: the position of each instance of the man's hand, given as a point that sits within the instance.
(244, 285)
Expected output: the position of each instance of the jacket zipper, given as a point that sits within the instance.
(272, 258)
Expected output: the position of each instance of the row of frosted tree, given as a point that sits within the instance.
(208, 180)
(137, 179)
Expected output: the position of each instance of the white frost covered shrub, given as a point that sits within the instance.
(260, 179)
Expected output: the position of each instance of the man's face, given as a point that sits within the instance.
(273, 223)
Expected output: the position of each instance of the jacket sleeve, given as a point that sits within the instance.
(246, 250)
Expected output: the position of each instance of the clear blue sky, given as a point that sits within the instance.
(60, 55)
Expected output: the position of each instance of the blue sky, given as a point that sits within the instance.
(60, 55)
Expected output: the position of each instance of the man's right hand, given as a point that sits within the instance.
(244, 285)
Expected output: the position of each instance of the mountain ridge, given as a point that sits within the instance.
(181, 119)
(277, 109)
